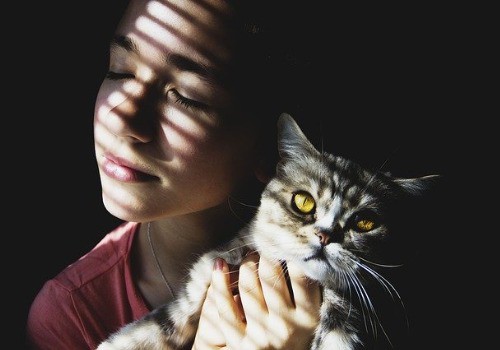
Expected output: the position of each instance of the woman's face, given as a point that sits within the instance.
(163, 142)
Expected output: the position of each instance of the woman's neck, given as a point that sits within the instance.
(173, 245)
(196, 232)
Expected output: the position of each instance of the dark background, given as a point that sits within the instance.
(57, 58)
(391, 86)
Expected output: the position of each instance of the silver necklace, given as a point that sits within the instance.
(158, 262)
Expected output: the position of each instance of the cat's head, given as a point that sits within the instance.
(331, 215)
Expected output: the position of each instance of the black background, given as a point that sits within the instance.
(57, 58)
(400, 86)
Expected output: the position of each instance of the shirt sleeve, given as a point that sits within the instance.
(53, 322)
(90, 299)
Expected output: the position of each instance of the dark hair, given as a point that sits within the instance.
(273, 53)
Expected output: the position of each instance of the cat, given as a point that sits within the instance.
(339, 222)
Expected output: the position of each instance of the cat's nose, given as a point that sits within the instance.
(329, 236)
(324, 238)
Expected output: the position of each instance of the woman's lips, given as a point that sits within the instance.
(117, 170)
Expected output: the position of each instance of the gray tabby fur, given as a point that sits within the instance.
(341, 189)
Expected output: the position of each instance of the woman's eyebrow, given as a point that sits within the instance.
(184, 63)
(124, 42)
(181, 62)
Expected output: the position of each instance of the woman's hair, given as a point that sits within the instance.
(273, 54)
(272, 64)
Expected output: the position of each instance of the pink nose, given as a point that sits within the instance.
(324, 238)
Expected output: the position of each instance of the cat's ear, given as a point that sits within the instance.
(418, 185)
(291, 140)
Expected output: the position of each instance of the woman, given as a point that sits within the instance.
(182, 126)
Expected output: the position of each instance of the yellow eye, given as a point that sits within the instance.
(365, 225)
(303, 202)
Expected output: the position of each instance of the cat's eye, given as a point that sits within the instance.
(365, 225)
(303, 202)
(364, 221)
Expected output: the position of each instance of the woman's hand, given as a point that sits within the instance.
(268, 311)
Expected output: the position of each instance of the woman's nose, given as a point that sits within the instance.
(136, 114)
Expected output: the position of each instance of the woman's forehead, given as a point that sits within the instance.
(197, 28)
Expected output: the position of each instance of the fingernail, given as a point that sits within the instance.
(219, 264)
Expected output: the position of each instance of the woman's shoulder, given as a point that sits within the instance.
(83, 299)
(112, 251)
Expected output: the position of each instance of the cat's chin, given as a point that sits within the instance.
(318, 269)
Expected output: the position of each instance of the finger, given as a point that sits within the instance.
(231, 319)
(209, 334)
(252, 299)
(306, 292)
(274, 286)
(249, 285)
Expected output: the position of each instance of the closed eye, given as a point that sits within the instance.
(178, 98)
(187, 102)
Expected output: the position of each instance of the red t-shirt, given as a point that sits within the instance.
(90, 299)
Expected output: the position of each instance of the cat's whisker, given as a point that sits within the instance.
(373, 316)
(240, 248)
(345, 279)
(229, 198)
(233, 211)
(378, 264)
(366, 311)
(365, 302)
(390, 289)
(382, 280)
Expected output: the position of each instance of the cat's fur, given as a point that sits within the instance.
(325, 243)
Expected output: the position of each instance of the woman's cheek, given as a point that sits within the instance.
(184, 134)
(107, 99)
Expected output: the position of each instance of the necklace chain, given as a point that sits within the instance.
(158, 262)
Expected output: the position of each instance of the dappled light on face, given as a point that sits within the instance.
(169, 25)
(130, 91)
(152, 61)
(180, 130)
(194, 26)
(184, 132)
